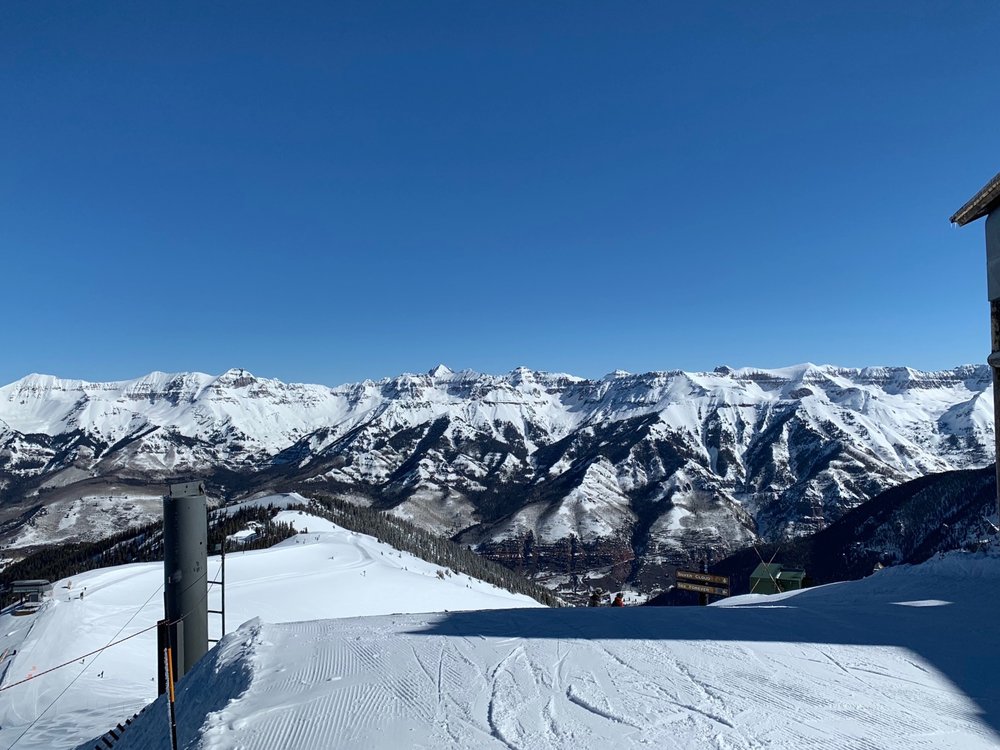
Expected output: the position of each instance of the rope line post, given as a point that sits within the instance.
(223, 567)
(169, 668)
(162, 643)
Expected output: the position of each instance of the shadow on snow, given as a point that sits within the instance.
(957, 635)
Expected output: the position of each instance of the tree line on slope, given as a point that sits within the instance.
(145, 544)
(407, 537)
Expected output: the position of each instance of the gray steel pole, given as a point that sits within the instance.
(185, 571)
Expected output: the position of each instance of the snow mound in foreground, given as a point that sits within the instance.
(327, 573)
(904, 659)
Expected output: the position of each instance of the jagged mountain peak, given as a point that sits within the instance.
(520, 375)
(236, 377)
(671, 460)
(526, 376)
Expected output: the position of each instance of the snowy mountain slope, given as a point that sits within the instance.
(74, 515)
(907, 524)
(870, 664)
(628, 470)
(326, 573)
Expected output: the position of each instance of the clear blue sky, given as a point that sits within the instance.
(323, 192)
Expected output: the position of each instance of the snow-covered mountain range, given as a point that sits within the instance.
(560, 472)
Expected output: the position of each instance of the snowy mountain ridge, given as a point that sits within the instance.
(50, 405)
(555, 470)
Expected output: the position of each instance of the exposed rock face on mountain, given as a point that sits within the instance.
(907, 524)
(551, 473)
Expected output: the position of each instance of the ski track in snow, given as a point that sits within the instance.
(393, 682)
(329, 572)
(840, 666)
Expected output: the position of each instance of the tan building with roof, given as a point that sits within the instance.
(987, 203)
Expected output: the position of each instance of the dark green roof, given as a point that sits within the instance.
(766, 570)
(777, 571)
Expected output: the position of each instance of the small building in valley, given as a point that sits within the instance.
(31, 590)
(773, 578)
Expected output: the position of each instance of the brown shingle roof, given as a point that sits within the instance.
(981, 203)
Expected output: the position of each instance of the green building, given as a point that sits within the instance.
(772, 578)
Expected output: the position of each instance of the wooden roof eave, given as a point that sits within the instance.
(980, 204)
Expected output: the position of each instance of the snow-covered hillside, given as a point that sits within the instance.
(326, 573)
(618, 473)
(902, 660)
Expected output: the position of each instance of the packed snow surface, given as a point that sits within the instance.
(326, 573)
(904, 659)
(901, 660)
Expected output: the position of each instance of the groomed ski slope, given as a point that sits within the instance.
(327, 573)
(905, 659)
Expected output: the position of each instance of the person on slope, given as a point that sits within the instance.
(595, 598)
(618, 602)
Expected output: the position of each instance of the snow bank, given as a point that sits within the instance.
(902, 660)
(328, 573)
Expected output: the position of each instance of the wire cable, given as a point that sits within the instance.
(111, 643)
(75, 659)
(72, 682)
(99, 651)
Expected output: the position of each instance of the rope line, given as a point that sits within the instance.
(113, 643)
(82, 671)
(98, 651)
(76, 659)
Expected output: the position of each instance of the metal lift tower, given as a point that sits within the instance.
(185, 572)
